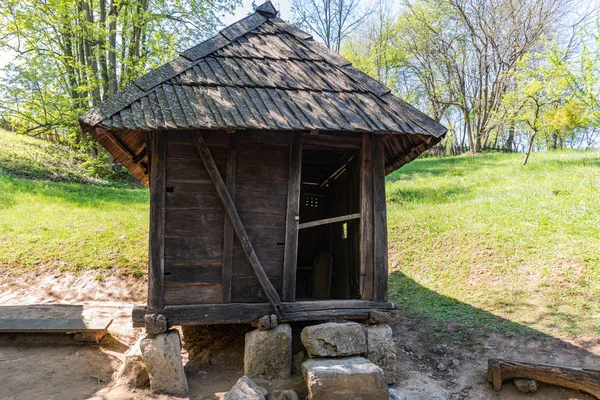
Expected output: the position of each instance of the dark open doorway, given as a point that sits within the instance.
(328, 264)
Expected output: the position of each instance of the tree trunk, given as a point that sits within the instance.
(529, 147)
(510, 141)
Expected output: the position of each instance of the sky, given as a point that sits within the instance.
(283, 6)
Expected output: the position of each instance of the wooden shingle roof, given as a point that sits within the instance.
(262, 73)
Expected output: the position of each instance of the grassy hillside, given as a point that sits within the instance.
(522, 242)
(473, 239)
(54, 214)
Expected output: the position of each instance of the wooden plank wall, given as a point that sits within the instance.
(261, 187)
(195, 221)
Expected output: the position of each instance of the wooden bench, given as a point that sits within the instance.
(85, 331)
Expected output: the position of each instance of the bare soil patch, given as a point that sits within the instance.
(449, 365)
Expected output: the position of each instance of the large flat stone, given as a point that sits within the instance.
(348, 378)
(381, 350)
(334, 339)
(162, 355)
(268, 354)
(246, 389)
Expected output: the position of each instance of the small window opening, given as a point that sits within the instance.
(345, 231)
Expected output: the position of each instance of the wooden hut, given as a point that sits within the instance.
(266, 155)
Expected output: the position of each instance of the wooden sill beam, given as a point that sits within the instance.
(247, 313)
(327, 221)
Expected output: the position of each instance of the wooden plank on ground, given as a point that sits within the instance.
(157, 158)
(290, 253)
(228, 229)
(366, 221)
(52, 325)
(236, 222)
(380, 249)
(582, 379)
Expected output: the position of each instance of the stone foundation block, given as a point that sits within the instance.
(162, 356)
(381, 350)
(246, 389)
(268, 354)
(352, 378)
(334, 339)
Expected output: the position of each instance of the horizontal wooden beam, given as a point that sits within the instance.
(247, 313)
(582, 379)
(327, 221)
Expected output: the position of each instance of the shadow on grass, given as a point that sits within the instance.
(84, 195)
(442, 314)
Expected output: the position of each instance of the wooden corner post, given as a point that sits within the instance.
(157, 155)
(290, 257)
(380, 245)
(366, 220)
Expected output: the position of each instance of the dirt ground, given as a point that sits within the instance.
(430, 367)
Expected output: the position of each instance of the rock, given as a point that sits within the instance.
(284, 395)
(379, 317)
(267, 322)
(133, 372)
(437, 349)
(297, 361)
(268, 354)
(246, 389)
(396, 395)
(334, 339)
(162, 356)
(455, 362)
(526, 385)
(381, 350)
(441, 366)
(344, 378)
(155, 324)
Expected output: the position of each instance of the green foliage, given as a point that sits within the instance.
(69, 55)
(480, 241)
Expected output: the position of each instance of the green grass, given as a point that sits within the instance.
(474, 238)
(475, 241)
(55, 215)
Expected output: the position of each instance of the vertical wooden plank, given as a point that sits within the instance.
(238, 226)
(366, 221)
(290, 256)
(157, 156)
(228, 231)
(380, 249)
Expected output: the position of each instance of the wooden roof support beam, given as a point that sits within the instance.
(236, 222)
(118, 143)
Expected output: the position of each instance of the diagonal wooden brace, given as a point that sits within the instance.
(236, 222)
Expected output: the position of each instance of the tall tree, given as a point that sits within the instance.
(72, 54)
(331, 20)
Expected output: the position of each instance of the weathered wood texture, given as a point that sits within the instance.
(52, 325)
(237, 223)
(243, 313)
(327, 221)
(584, 380)
(156, 268)
(195, 221)
(261, 199)
(292, 217)
(380, 239)
(366, 221)
(228, 229)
